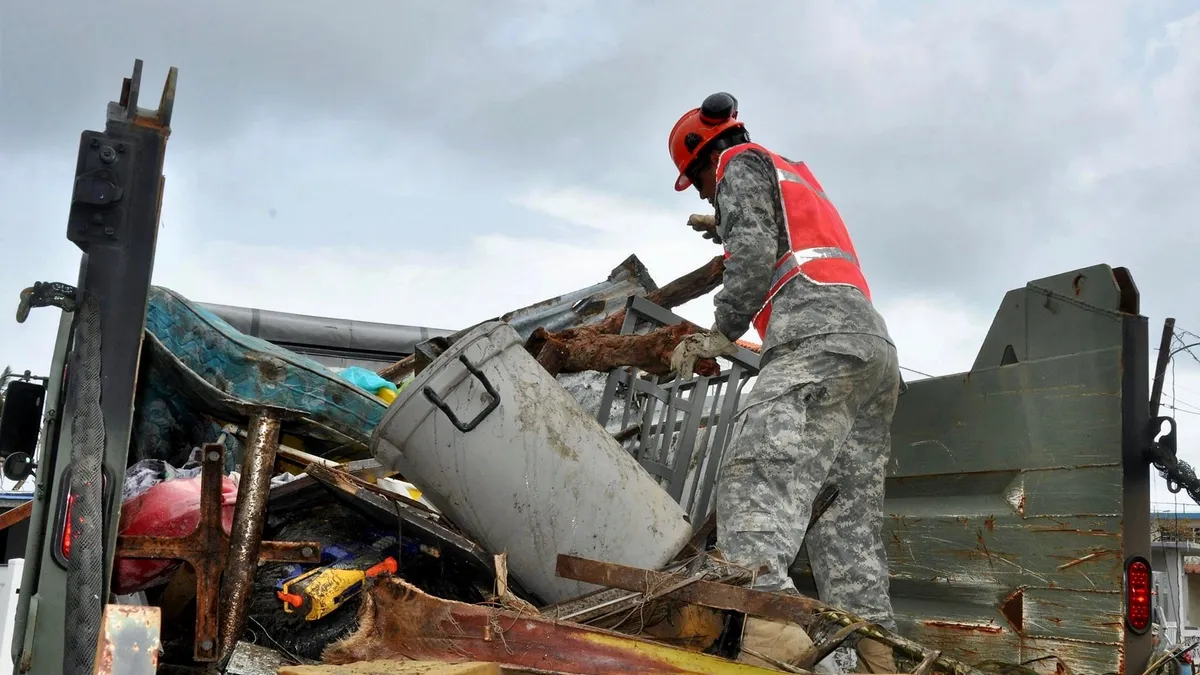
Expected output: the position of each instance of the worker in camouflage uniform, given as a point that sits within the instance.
(821, 409)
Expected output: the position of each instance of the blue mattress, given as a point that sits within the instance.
(200, 372)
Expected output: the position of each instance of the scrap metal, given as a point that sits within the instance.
(245, 537)
(205, 551)
(414, 519)
(398, 621)
(795, 608)
(129, 640)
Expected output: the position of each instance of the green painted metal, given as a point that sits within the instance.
(1017, 492)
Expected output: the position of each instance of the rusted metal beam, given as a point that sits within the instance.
(245, 537)
(205, 551)
(129, 640)
(398, 621)
(795, 608)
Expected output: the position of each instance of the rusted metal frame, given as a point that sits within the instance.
(205, 551)
(245, 537)
(129, 640)
(794, 608)
(343, 477)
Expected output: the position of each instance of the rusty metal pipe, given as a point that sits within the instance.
(245, 537)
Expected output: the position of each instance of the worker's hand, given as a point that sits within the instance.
(706, 225)
(702, 345)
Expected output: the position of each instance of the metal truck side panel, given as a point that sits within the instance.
(1011, 486)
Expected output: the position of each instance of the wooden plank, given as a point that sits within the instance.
(15, 515)
(394, 667)
(399, 621)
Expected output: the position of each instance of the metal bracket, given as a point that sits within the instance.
(445, 408)
(46, 294)
(98, 208)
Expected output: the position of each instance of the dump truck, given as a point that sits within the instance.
(1018, 493)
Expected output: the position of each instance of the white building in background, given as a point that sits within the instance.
(1177, 591)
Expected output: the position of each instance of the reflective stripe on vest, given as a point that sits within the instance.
(821, 248)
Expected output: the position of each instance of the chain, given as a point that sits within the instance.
(1178, 473)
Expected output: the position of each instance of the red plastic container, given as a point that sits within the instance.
(169, 509)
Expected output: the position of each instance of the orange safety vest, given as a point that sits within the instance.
(820, 249)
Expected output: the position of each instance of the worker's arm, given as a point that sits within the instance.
(746, 208)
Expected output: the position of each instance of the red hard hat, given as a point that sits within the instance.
(697, 128)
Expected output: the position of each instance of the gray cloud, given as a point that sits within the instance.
(955, 137)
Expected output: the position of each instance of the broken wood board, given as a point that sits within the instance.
(402, 668)
(15, 515)
(695, 284)
(600, 347)
(398, 621)
(782, 606)
(584, 349)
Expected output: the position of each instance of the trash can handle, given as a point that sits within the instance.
(487, 386)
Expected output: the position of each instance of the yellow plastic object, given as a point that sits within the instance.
(324, 589)
(387, 395)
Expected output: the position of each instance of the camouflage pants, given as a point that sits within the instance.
(821, 413)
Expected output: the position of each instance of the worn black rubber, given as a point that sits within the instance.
(85, 570)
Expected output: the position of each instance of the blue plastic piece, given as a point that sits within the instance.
(366, 379)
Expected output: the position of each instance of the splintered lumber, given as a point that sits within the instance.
(582, 349)
(15, 515)
(398, 621)
(400, 369)
(400, 668)
(695, 284)
(600, 346)
(782, 606)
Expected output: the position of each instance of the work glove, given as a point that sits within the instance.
(706, 225)
(702, 345)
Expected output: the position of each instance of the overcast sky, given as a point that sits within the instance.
(440, 163)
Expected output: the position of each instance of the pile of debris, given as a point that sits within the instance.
(489, 501)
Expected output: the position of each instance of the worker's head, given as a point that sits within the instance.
(698, 139)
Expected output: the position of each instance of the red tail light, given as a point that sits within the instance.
(65, 547)
(61, 546)
(1138, 587)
